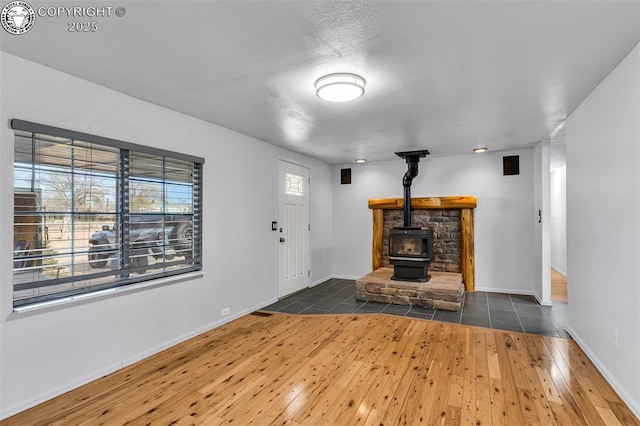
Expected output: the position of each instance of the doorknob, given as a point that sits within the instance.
(281, 240)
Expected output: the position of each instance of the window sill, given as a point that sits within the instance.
(101, 294)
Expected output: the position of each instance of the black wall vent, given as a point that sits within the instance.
(345, 176)
(511, 165)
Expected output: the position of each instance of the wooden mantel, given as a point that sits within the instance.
(465, 204)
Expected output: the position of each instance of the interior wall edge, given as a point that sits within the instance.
(633, 404)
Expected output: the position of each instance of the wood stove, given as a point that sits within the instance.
(410, 251)
(410, 248)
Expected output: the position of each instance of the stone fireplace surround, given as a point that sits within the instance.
(451, 219)
(445, 225)
(441, 217)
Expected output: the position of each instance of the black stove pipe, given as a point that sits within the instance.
(412, 172)
(412, 158)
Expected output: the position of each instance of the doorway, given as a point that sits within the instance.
(558, 209)
(558, 287)
(293, 228)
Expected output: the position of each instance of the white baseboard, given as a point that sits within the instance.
(512, 291)
(320, 281)
(337, 277)
(346, 277)
(506, 290)
(193, 333)
(633, 405)
(75, 383)
(543, 302)
(57, 391)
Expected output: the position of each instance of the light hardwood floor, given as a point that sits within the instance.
(347, 370)
(558, 287)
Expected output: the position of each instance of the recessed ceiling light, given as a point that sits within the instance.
(342, 87)
(361, 160)
(479, 150)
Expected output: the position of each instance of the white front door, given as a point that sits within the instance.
(293, 229)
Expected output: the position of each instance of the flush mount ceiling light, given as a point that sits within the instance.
(341, 87)
(361, 160)
(479, 150)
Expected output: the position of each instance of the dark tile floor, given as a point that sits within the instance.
(494, 310)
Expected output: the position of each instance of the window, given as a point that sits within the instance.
(294, 184)
(92, 213)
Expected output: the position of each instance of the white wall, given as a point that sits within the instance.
(541, 223)
(504, 218)
(559, 219)
(48, 352)
(603, 226)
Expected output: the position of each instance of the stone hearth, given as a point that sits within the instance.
(443, 291)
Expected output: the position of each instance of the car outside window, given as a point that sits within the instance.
(92, 213)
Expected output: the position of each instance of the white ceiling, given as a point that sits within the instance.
(443, 75)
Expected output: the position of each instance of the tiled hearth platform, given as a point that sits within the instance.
(511, 312)
(443, 291)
